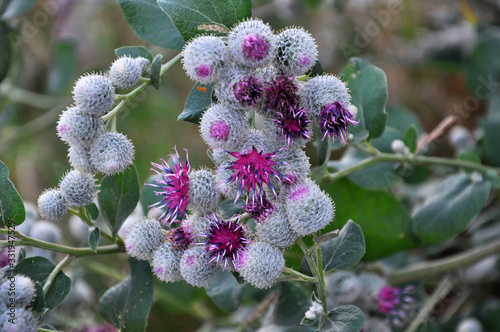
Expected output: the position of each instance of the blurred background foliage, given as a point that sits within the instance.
(436, 54)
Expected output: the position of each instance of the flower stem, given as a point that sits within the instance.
(300, 276)
(380, 157)
(83, 216)
(65, 261)
(143, 86)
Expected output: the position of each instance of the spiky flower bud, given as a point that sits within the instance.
(197, 268)
(79, 158)
(94, 94)
(78, 188)
(125, 72)
(51, 205)
(344, 287)
(144, 238)
(309, 208)
(260, 264)
(78, 128)
(204, 58)
(112, 153)
(21, 286)
(165, 264)
(296, 52)
(252, 43)
(294, 165)
(221, 127)
(143, 63)
(203, 194)
(323, 90)
(24, 321)
(240, 89)
(276, 229)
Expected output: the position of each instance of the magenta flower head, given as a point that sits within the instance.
(334, 121)
(174, 187)
(251, 169)
(281, 95)
(224, 239)
(180, 237)
(249, 91)
(293, 126)
(396, 302)
(259, 209)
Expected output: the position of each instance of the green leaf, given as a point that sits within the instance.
(471, 157)
(454, 203)
(150, 23)
(187, 16)
(491, 127)
(378, 176)
(368, 87)
(316, 70)
(38, 303)
(118, 197)
(63, 67)
(411, 138)
(384, 220)
(199, 99)
(230, 208)
(12, 212)
(92, 212)
(38, 269)
(94, 237)
(134, 52)
(13, 8)
(342, 252)
(156, 71)
(347, 318)
(226, 292)
(307, 322)
(324, 153)
(402, 118)
(289, 309)
(126, 306)
(6, 54)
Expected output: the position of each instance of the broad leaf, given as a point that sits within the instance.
(38, 269)
(347, 318)
(491, 127)
(411, 138)
(12, 212)
(150, 23)
(199, 99)
(368, 87)
(118, 197)
(384, 220)
(455, 202)
(225, 291)
(94, 237)
(134, 52)
(316, 70)
(342, 252)
(156, 71)
(189, 17)
(126, 306)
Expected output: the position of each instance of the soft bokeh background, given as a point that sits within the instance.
(423, 46)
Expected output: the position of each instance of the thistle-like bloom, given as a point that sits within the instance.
(174, 185)
(180, 238)
(334, 121)
(224, 240)
(395, 302)
(249, 91)
(259, 209)
(252, 169)
(293, 125)
(281, 95)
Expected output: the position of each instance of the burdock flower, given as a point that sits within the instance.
(249, 91)
(281, 95)
(174, 185)
(224, 239)
(259, 209)
(334, 121)
(396, 302)
(180, 237)
(293, 125)
(251, 170)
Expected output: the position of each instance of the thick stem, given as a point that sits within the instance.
(83, 216)
(379, 157)
(300, 276)
(66, 260)
(443, 265)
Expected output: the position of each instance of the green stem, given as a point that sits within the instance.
(33, 99)
(318, 275)
(321, 278)
(132, 94)
(83, 216)
(444, 265)
(300, 276)
(24, 240)
(379, 157)
(65, 261)
(445, 286)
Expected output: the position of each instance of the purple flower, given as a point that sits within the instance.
(281, 95)
(180, 237)
(293, 125)
(4, 258)
(203, 70)
(334, 121)
(252, 169)
(224, 239)
(219, 130)
(396, 302)
(255, 47)
(248, 91)
(259, 209)
(174, 185)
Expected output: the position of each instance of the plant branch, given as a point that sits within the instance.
(300, 276)
(443, 265)
(379, 157)
(65, 261)
(83, 216)
(33, 99)
(144, 85)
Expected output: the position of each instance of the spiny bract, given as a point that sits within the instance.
(144, 238)
(52, 205)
